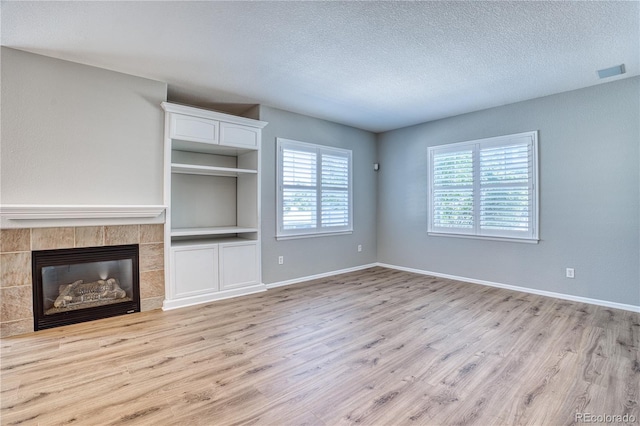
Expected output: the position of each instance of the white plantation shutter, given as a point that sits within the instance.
(335, 191)
(453, 190)
(485, 188)
(506, 189)
(299, 196)
(314, 189)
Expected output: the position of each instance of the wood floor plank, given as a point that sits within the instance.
(371, 347)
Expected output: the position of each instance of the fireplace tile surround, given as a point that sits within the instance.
(16, 300)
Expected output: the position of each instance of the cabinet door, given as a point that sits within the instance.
(238, 265)
(185, 127)
(238, 135)
(194, 270)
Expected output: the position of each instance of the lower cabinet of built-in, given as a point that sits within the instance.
(210, 270)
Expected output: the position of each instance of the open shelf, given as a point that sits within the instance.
(195, 242)
(208, 148)
(193, 169)
(216, 230)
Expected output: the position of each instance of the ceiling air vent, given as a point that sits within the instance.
(610, 72)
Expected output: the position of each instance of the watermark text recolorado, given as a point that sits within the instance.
(604, 418)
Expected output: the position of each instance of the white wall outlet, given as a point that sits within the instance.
(570, 273)
(280, 260)
(359, 247)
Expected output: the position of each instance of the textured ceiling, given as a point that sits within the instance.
(373, 65)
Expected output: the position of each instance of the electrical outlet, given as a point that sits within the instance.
(359, 247)
(280, 260)
(571, 273)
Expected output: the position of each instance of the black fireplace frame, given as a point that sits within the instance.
(43, 258)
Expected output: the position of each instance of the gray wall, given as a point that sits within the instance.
(589, 187)
(75, 134)
(311, 256)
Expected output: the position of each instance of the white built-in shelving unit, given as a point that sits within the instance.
(212, 189)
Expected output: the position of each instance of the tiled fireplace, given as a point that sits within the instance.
(16, 283)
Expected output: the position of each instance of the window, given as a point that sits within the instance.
(486, 188)
(314, 189)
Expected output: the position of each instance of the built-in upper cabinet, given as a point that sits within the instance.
(186, 127)
(205, 130)
(238, 135)
(212, 184)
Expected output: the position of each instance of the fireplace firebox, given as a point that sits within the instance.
(84, 284)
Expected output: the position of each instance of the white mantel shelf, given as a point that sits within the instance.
(50, 211)
(39, 215)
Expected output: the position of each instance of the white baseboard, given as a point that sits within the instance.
(323, 275)
(615, 305)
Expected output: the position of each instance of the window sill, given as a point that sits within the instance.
(314, 235)
(480, 237)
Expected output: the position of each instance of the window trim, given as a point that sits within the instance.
(318, 231)
(475, 146)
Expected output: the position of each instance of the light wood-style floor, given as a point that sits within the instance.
(374, 347)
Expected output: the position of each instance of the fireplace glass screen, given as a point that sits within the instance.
(86, 285)
(76, 285)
